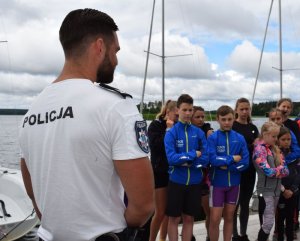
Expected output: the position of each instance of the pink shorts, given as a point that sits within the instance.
(220, 195)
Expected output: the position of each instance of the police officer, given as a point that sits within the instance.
(82, 144)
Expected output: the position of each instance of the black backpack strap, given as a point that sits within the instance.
(115, 90)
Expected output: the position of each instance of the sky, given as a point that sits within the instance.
(222, 40)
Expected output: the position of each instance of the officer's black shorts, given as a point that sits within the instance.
(184, 199)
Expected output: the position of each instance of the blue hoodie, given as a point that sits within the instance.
(222, 146)
(295, 150)
(181, 143)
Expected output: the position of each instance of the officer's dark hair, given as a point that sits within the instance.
(82, 26)
(224, 110)
(184, 98)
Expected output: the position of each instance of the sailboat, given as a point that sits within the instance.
(17, 216)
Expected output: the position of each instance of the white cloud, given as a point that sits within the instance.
(245, 59)
(195, 64)
(33, 57)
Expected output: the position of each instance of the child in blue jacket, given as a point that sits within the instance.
(228, 156)
(185, 146)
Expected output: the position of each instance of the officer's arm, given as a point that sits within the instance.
(28, 186)
(137, 178)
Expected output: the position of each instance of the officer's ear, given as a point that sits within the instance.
(100, 48)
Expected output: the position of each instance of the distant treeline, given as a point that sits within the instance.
(13, 111)
(151, 109)
(262, 108)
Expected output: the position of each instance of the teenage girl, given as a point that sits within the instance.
(276, 116)
(289, 190)
(198, 118)
(245, 127)
(286, 106)
(270, 167)
(156, 132)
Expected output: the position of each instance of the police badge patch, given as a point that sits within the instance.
(142, 135)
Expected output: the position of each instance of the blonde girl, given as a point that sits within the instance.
(156, 132)
(270, 167)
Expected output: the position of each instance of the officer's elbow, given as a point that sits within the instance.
(146, 204)
(147, 210)
(138, 213)
(149, 207)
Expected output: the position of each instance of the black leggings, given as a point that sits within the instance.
(246, 191)
(261, 209)
(285, 212)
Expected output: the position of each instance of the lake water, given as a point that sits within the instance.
(10, 152)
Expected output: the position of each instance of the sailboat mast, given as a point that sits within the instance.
(280, 48)
(147, 59)
(163, 52)
(261, 53)
(163, 56)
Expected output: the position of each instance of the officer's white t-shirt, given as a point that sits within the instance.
(69, 139)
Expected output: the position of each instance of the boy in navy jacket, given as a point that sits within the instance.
(228, 156)
(185, 146)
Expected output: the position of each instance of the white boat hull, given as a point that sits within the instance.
(17, 204)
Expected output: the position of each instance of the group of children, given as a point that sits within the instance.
(191, 162)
